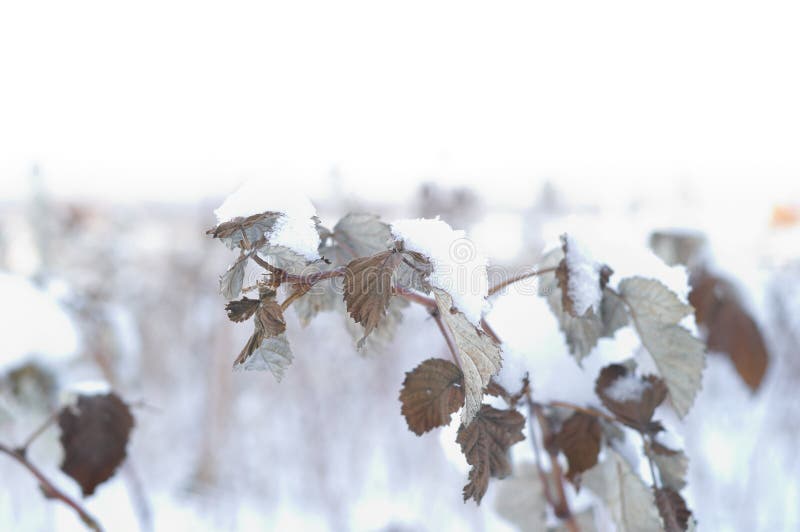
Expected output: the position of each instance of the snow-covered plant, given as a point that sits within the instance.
(371, 270)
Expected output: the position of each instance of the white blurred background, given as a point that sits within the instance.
(122, 126)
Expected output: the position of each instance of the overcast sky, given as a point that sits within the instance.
(179, 100)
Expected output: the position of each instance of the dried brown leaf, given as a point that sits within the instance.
(485, 443)
(252, 228)
(242, 309)
(729, 327)
(579, 440)
(431, 393)
(270, 318)
(672, 465)
(673, 510)
(368, 288)
(94, 437)
(637, 412)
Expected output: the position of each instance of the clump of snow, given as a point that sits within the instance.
(69, 397)
(295, 229)
(34, 324)
(627, 388)
(515, 367)
(583, 285)
(458, 267)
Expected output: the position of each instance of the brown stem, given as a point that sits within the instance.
(488, 330)
(51, 491)
(517, 278)
(23, 449)
(561, 506)
(415, 297)
(450, 344)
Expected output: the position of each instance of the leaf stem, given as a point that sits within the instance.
(51, 490)
(450, 344)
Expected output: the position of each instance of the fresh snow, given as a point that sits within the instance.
(627, 388)
(583, 286)
(458, 267)
(295, 229)
(34, 324)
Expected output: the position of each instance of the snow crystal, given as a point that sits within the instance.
(583, 286)
(34, 324)
(627, 388)
(457, 266)
(295, 230)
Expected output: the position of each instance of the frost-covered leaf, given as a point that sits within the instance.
(631, 398)
(94, 437)
(431, 393)
(383, 334)
(613, 313)
(270, 317)
(520, 499)
(680, 357)
(242, 309)
(579, 440)
(230, 284)
(673, 510)
(368, 288)
(729, 327)
(479, 355)
(262, 353)
(324, 296)
(485, 443)
(244, 232)
(578, 278)
(362, 235)
(630, 502)
(584, 520)
(284, 258)
(672, 466)
(413, 272)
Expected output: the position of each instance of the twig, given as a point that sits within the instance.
(415, 297)
(23, 449)
(517, 278)
(488, 330)
(51, 490)
(450, 345)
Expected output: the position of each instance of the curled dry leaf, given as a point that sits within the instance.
(680, 357)
(485, 443)
(242, 309)
(579, 440)
(431, 393)
(361, 235)
(265, 353)
(478, 354)
(673, 510)
(631, 398)
(94, 437)
(368, 288)
(270, 318)
(729, 327)
(244, 232)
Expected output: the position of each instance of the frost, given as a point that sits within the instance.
(583, 287)
(627, 388)
(294, 229)
(457, 266)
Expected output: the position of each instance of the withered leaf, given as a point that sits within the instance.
(265, 353)
(362, 235)
(478, 354)
(672, 465)
(252, 228)
(270, 318)
(368, 288)
(631, 398)
(381, 337)
(673, 510)
(579, 440)
(680, 357)
(485, 443)
(431, 393)
(241, 309)
(230, 284)
(729, 327)
(94, 437)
